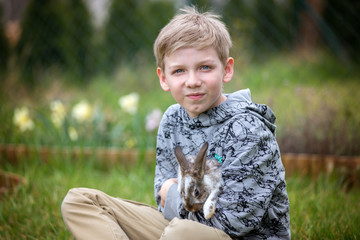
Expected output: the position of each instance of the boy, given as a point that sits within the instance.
(192, 53)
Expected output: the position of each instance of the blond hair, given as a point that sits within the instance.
(193, 29)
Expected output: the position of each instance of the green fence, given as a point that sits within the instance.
(84, 38)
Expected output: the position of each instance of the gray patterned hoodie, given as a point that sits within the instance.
(254, 202)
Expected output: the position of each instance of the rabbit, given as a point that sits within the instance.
(199, 181)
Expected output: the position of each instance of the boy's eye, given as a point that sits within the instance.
(205, 67)
(177, 71)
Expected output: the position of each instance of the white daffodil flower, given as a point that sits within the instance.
(22, 119)
(129, 103)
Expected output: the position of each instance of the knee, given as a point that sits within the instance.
(71, 200)
(77, 198)
(176, 228)
(188, 229)
(66, 203)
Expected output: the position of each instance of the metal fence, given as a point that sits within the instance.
(84, 37)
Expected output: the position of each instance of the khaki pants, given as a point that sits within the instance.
(92, 214)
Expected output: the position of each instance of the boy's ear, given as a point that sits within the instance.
(228, 70)
(162, 79)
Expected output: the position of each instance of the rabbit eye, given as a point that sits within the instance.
(196, 192)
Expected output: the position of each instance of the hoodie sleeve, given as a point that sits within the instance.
(166, 164)
(253, 182)
(172, 202)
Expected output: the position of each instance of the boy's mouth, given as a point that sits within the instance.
(195, 96)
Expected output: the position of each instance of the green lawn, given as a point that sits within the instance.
(319, 209)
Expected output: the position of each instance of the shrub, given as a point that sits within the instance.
(4, 48)
(54, 33)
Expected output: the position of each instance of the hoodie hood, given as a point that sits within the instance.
(236, 103)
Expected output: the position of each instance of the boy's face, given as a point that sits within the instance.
(195, 78)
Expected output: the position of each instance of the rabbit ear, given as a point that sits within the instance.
(184, 165)
(200, 160)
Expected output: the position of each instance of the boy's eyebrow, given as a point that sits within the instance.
(171, 66)
(207, 61)
(202, 62)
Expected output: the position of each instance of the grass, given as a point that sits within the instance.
(319, 209)
(322, 209)
(33, 210)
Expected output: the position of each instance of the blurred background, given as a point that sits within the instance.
(300, 57)
(80, 103)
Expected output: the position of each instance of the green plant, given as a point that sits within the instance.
(322, 209)
(314, 100)
(319, 208)
(52, 39)
(85, 124)
(33, 210)
(4, 48)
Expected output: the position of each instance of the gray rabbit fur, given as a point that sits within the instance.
(199, 181)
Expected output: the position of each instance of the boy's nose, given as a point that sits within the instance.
(192, 81)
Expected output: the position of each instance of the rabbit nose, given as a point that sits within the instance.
(193, 207)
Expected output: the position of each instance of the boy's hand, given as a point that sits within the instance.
(165, 188)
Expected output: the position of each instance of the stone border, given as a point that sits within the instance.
(313, 164)
(303, 164)
(14, 152)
